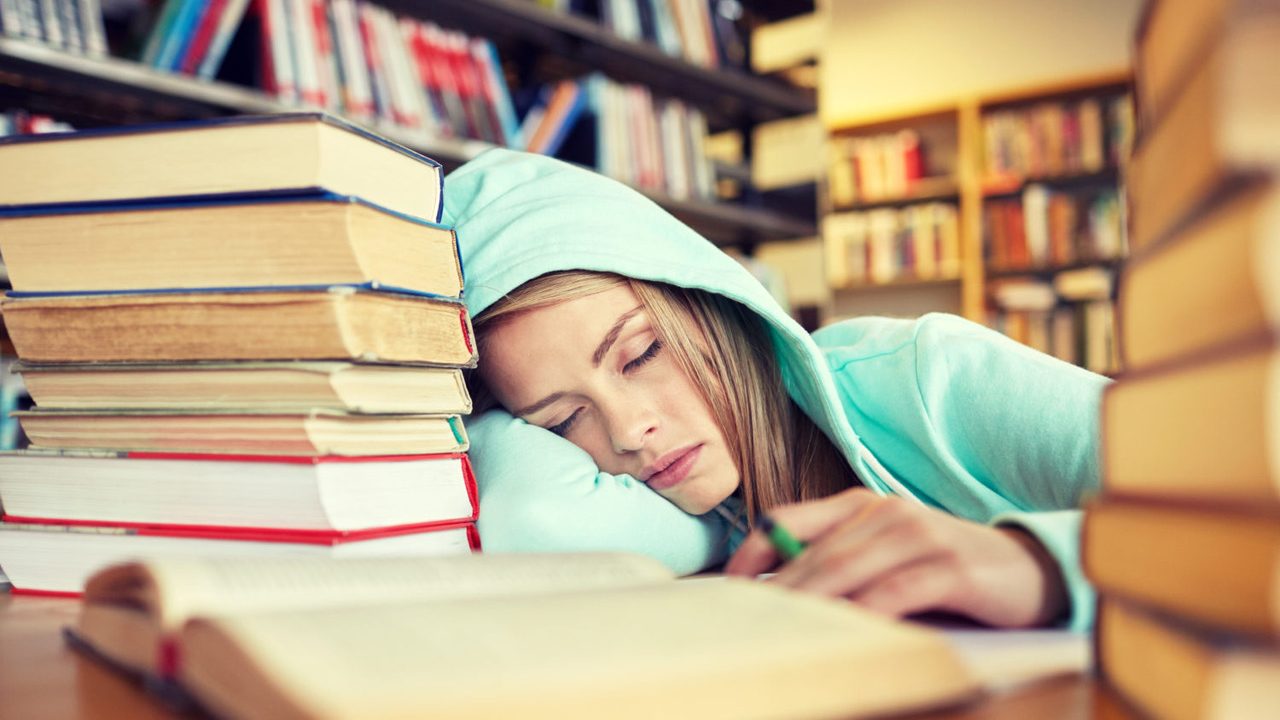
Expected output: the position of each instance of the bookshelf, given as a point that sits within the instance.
(97, 91)
(1057, 148)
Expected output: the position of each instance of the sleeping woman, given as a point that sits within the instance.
(639, 390)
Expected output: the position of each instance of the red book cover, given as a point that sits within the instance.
(468, 476)
(373, 59)
(329, 90)
(268, 68)
(205, 30)
(304, 537)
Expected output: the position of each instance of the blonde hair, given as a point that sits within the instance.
(782, 457)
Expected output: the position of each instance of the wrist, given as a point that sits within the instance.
(1053, 604)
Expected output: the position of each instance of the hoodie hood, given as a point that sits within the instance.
(520, 215)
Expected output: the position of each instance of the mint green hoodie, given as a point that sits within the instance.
(938, 409)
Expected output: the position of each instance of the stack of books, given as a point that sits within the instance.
(243, 337)
(1184, 544)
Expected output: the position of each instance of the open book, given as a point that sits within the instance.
(593, 635)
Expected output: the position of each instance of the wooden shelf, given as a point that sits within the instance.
(142, 94)
(730, 98)
(899, 284)
(922, 191)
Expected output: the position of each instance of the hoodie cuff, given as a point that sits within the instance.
(1059, 532)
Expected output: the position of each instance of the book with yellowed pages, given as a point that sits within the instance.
(501, 635)
(1217, 566)
(1208, 286)
(311, 240)
(1206, 432)
(1219, 130)
(188, 387)
(287, 154)
(1171, 670)
(1174, 36)
(335, 323)
(271, 432)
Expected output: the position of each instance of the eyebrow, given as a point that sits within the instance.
(612, 336)
(596, 358)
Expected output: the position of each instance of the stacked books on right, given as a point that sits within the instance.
(1184, 543)
(243, 338)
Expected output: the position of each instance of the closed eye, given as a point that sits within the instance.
(650, 353)
(563, 427)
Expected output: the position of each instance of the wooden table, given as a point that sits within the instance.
(42, 679)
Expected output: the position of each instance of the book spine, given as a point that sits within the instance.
(202, 37)
(226, 30)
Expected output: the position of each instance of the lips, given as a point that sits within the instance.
(670, 469)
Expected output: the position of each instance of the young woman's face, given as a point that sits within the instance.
(592, 370)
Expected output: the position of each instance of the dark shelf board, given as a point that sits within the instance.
(1004, 189)
(729, 97)
(136, 93)
(994, 273)
(775, 10)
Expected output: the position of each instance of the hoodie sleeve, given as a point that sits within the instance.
(1030, 421)
(979, 424)
(541, 493)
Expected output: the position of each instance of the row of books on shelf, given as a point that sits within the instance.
(702, 32)
(649, 142)
(72, 25)
(1044, 228)
(20, 122)
(920, 242)
(1181, 544)
(367, 63)
(224, 364)
(1057, 138)
(1071, 318)
(874, 167)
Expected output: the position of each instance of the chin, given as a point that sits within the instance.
(702, 500)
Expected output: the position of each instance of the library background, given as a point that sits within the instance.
(859, 157)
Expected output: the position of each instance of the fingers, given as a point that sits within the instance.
(848, 561)
(808, 521)
(925, 585)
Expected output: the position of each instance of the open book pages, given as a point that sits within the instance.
(171, 591)
(735, 649)
(599, 635)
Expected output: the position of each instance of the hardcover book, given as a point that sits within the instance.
(313, 433)
(317, 240)
(57, 559)
(1213, 566)
(495, 636)
(1170, 669)
(289, 154)
(259, 386)
(283, 493)
(332, 323)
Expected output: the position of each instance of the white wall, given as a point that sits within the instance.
(887, 56)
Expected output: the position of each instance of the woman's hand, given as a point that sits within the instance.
(898, 557)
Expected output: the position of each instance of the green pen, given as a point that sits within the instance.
(787, 545)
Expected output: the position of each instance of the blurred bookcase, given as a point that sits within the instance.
(1005, 208)
(533, 40)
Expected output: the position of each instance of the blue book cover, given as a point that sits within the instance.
(570, 119)
(179, 35)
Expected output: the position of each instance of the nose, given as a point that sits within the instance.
(629, 421)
